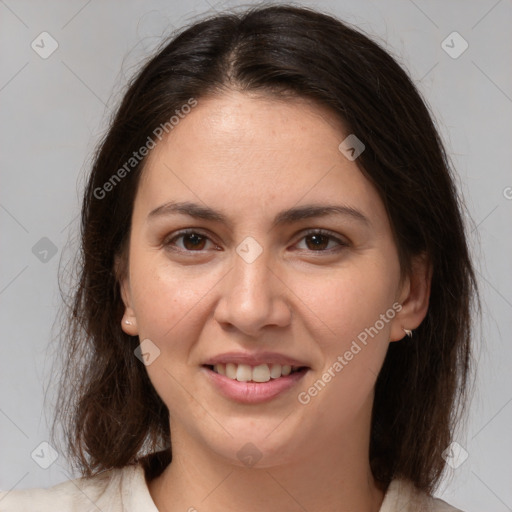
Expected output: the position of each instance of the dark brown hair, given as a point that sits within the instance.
(112, 414)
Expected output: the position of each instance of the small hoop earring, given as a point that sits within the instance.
(408, 333)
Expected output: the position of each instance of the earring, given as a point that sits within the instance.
(408, 332)
(127, 322)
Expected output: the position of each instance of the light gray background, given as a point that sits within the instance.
(54, 111)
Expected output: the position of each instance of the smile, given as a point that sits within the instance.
(250, 385)
(260, 373)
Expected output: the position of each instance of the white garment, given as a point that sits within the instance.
(125, 490)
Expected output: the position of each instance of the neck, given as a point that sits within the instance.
(316, 477)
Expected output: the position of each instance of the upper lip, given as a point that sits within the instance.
(253, 359)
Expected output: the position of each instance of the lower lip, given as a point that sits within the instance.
(253, 392)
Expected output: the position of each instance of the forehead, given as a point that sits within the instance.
(254, 152)
(238, 124)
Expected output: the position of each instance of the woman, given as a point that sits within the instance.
(275, 293)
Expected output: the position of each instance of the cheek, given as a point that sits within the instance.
(166, 297)
(357, 306)
(170, 311)
(350, 300)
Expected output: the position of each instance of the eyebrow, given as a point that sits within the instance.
(289, 216)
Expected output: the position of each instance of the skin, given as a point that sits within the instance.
(250, 157)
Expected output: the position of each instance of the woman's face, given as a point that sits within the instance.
(253, 278)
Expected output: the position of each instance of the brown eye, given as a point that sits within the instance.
(192, 241)
(320, 241)
(317, 242)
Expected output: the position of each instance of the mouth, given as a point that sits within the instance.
(252, 385)
(257, 374)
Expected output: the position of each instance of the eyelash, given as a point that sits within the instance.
(168, 243)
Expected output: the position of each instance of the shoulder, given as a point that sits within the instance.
(117, 490)
(403, 495)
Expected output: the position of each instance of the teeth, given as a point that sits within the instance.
(260, 373)
(275, 371)
(230, 370)
(243, 373)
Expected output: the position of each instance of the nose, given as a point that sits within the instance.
(253, 296)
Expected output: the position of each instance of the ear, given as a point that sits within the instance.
(414, 298)
(129, 320)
